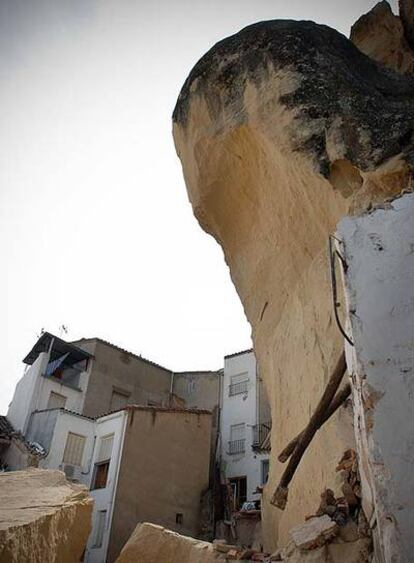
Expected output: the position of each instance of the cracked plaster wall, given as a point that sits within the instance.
(379, 285)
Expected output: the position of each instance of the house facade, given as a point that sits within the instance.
(244, 427)
(123, 426)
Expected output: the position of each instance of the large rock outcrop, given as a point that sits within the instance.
(387, 38)
(43, 517)
(154, 544)
(283, 129)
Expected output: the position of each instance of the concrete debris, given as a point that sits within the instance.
(314, 533)
(43, 517)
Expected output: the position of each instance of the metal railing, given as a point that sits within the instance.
(260, 432)
(238, 388)
(236, 447)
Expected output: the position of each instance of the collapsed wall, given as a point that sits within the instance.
(282, 130)
(43, 517)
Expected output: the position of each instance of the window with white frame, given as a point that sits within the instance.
(75, 445)
(238, 384)
(100, 528)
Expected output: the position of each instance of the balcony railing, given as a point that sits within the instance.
(238, 388)
(236, 447)
(260, 433)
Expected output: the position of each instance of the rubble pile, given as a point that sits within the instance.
(337, 533)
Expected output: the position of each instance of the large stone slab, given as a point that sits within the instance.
(154, 544)
(43, 517)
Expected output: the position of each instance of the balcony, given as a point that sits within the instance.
(260, 434)
(236, 447)
(238, 388)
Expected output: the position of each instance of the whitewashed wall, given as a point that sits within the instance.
(33, 391)
(26, 393)
(93, 430)
(379, 284)
(104, 498)
(65, 423)
(74, 397)
(235, 410)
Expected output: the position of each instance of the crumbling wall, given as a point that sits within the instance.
(282, 129)
(379, 253)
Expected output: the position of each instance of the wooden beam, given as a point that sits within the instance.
(280, 496)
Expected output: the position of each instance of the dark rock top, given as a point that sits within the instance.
(336, 81)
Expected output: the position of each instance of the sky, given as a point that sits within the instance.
(96, 231)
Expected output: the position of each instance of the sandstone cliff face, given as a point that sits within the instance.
(283, 129)
(155, 544)
(42, 517)
(385, 37)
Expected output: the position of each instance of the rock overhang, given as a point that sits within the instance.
(370, 107)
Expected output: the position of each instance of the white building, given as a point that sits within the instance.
(72, 401)
(244, 427)
(89, 452)
(48, 409)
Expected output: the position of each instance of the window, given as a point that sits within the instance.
(101, 469)
(100, 528)
(265, 471)
(178, 518)
(75, 444)
(56, 401)
(100, 475)
(238, 384)
(119, 399)
(237, 439)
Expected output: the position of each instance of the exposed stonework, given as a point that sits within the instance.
(43, 517)
(384, 36)
(155, 544)
(282, 129)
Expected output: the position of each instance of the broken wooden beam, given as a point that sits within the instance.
(337, 401)
(280, 496)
